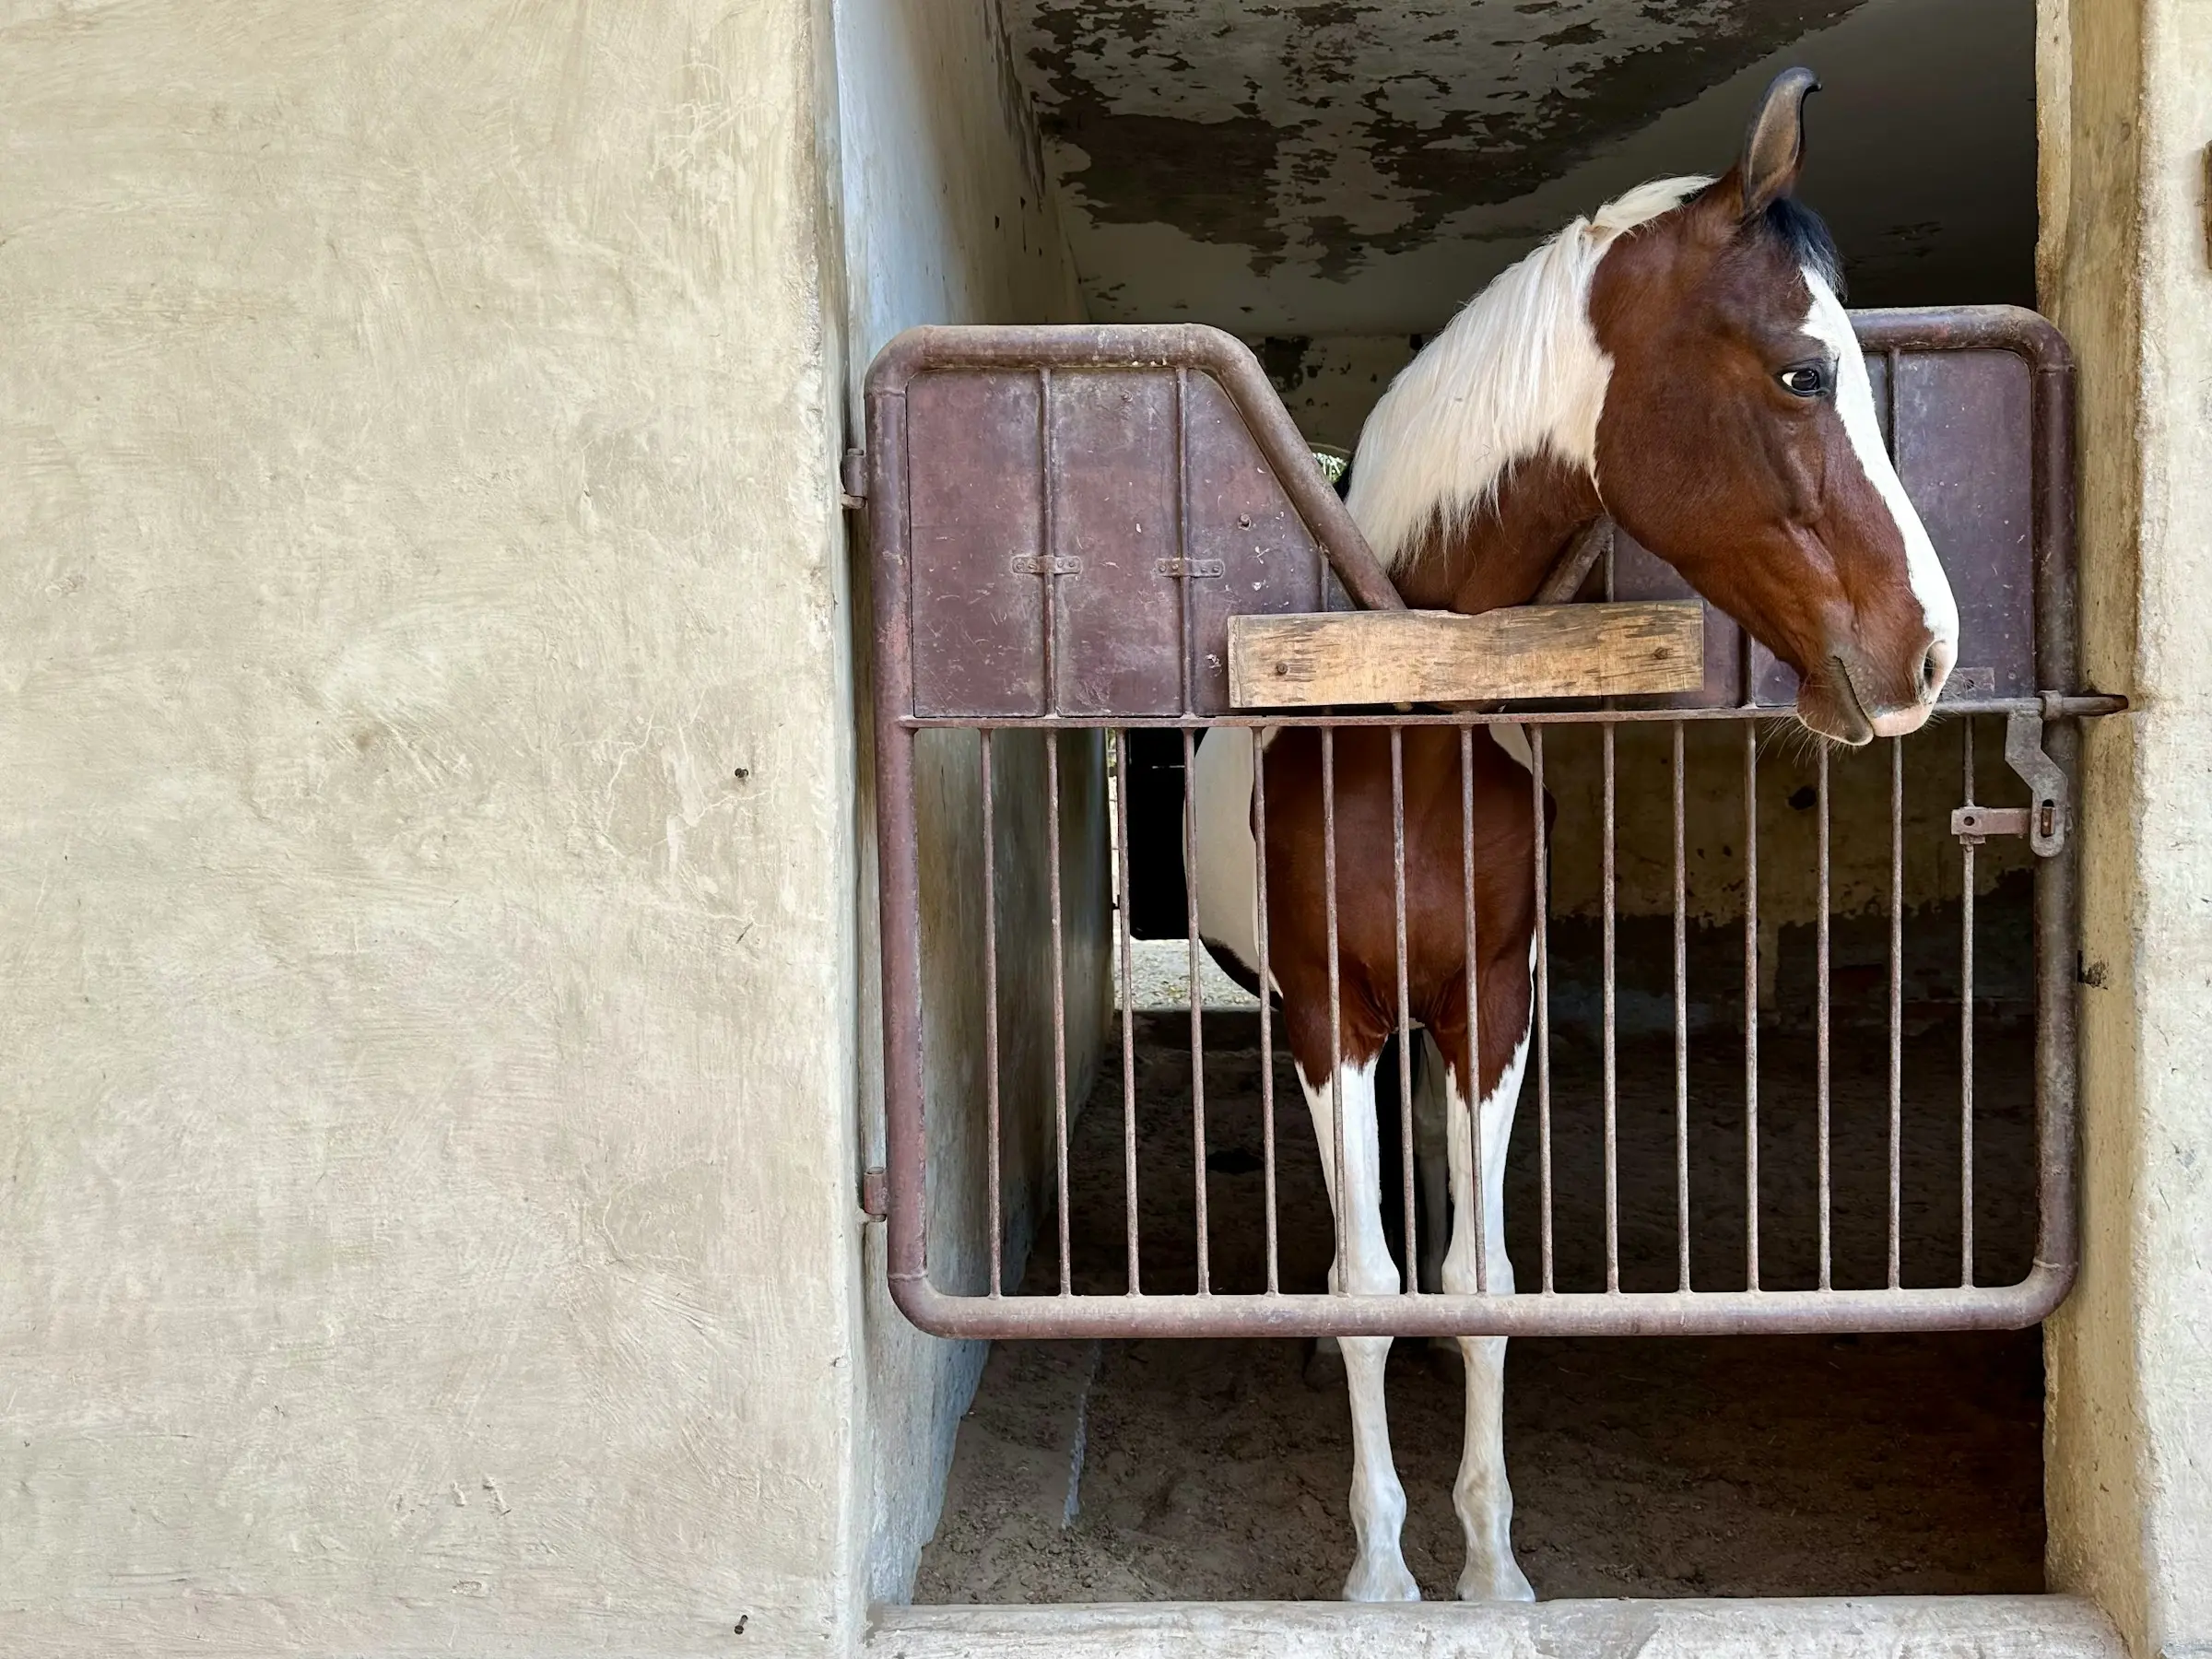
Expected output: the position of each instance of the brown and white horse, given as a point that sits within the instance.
(1681, 361)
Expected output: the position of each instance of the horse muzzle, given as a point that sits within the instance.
(1850, 702)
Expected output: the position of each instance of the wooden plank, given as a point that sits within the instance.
(1643, 648)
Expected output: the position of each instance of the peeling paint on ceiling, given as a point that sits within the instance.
(1364, 123)
(1368, 160)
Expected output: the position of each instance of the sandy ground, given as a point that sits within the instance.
(1737, 1466)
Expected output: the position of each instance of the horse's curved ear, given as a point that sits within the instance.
(1774, 142)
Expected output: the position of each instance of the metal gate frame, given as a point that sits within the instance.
(2042, 743)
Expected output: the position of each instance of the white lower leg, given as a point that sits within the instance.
(1363, 1265)
(1481, 1496)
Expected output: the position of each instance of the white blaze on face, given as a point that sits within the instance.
(1830, 324)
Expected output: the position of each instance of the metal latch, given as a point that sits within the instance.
(2044, 819)
(1977, 824)
(1191, 567)
(1029, 564)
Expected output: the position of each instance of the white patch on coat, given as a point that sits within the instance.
(1830, 324)
(1517, 372)
(1226, 878)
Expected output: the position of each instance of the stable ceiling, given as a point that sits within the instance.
(1362, 166)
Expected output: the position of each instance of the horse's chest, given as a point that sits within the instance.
(1222, 868)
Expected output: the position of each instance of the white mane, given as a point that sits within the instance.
(1517, 371)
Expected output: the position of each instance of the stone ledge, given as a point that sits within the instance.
(1931, 1627)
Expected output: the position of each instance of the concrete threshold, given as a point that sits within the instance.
(1909, 1627)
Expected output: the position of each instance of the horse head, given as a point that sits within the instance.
(1739, 439)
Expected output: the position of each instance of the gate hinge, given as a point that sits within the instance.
(874, 1193)
(1191, 567)
(853, 479)
(2044, 819)
(1029, 564)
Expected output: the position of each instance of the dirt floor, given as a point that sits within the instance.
(1739, 1466)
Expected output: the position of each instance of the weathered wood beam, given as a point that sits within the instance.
(1641, 648)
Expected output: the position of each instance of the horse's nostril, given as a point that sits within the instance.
(1935, 668)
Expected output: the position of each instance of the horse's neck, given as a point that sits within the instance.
(1501, 555)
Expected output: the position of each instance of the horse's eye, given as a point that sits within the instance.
(1806, 380)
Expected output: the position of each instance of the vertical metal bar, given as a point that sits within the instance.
(1189, 862)
(1966, 1026)
(1048, 532)
(1259, 836)
(1473, 967)
(1681, 1029)
(1535, 779)
(1397, 888)
(906, 1155)
(1611, 1056)
(1051, 854)
(991, 1104)
(1821, 1053)
(1182, 549)
(1752, 1004)
(1897, 1005)
(2058, 936)
(1190, 827)
(1120, 829)
(1328, 862)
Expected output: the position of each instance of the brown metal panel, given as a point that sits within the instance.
(1248, 550)
(974, 489)
(1964, 452)
(1638, 574)
(1115, 504)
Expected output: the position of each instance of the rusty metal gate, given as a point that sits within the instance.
(1062, 521)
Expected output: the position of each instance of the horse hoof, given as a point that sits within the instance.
(1508, 1583)
(1381, 1582)
(1324, 1366)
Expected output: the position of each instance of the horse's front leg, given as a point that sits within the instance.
(1363, 1266)
(1481, 1495)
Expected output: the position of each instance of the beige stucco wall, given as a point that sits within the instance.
(2127, 91)
(430, 874)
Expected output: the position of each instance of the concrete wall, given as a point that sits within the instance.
(946, 216)
(431, 1011)
(2126, 98)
